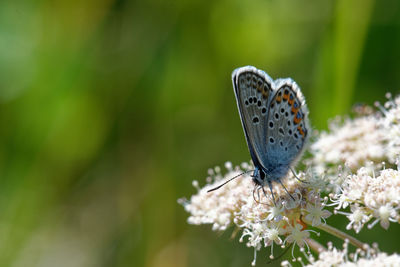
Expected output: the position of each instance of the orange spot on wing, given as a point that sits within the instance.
(265, 94)
(286, 96)
(300, 130)
(278, 98)
(296, 120)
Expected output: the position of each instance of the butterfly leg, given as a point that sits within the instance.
(258, 193)
(272, 193)
(295, 175)
(284, 187)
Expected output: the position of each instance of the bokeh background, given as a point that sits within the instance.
(110, 108)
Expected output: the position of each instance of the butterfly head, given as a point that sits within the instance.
(262, 176)
(258, 176)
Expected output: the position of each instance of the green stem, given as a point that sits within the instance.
(336, 232)
(315, 246)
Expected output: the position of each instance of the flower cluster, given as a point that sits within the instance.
(346, 143)
(342, 258)
(390, 124)
(374, 137)
(354, 162)
(370, 197)
(263, 222)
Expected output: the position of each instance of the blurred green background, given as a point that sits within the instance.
(109, 109)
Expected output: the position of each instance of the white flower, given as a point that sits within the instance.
(275, 212)
(316, 213)
(262, 222)
(340, 200)
(272, 235)
(346, 143)
(342, 258)
(297, 235)
(356, 142)
(348, 163)
(333, 257)
(390, 123)
(357, 218)
(382, 259)
(255, 234)
(370, 196)
(384, 214)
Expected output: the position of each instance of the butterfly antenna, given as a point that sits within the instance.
(295, 175)
(218, 187)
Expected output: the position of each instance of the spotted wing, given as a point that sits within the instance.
(253, 89)
(287, 126)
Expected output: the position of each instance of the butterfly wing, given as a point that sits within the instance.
(253, 89)
(287, 128)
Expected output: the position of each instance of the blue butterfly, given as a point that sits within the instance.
(274, 117)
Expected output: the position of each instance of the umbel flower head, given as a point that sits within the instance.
(367, 140)
(352, 171)
(366, 145)
(371, 197)
(263, 223)
(342, 258)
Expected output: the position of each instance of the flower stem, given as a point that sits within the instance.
(336, 232)
(315, 246)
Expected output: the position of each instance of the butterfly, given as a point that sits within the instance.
(275, 122)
